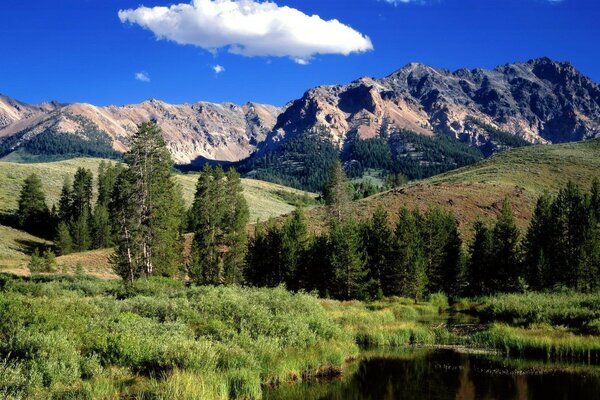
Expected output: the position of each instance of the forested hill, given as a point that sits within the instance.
(521, 174)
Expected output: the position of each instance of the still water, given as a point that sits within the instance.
(447, 374)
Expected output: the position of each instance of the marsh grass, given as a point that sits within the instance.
(80, 337)
(391, 322)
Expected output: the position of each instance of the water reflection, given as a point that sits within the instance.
(427, 374)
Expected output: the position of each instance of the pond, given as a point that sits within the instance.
(449, 374)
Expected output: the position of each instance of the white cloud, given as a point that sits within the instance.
(218, 69)
(142, 76)
(249, 28)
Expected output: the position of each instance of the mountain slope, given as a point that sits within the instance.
(541, 101)
(478, 190)
(193, 132)
(538, 101)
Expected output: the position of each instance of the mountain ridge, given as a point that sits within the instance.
(538, 101)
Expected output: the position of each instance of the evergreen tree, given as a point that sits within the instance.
(63, 240)
(218, 217)
(206, 220)
(378, 239)
(81, 209)
(80, 232)
(33, 214)
(406, 274)
(505, 250)
(442, 250)
(480, 271)
(569, 224)
(411, 255)
(236, 235)
(347, 263)
(148, 207)
(337, 193)
(101, 227)
(294, 246)
(65, 208)
(538, 243)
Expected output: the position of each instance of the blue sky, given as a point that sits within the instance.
(86, 51)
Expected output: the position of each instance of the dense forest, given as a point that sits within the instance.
(51, 145)
(305, 160)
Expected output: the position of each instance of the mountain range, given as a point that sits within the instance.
(538, 101)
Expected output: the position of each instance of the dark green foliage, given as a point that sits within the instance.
(102, 228)
(218, 218)
(81, 209)
(537, 246)
(348, 272)
(407, 276)
(443, 252)
(368, 154)
(364, 189)
(146, 208)
(277, 252)
(562, 246)
(506, 256)
(417, 157)
(33, 214)
(480, 270)
(379, 242)
(52, 145)
(302, 162)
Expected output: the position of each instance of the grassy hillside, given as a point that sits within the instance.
(521, 174)
(265, 199)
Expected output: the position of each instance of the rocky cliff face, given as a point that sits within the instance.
(540, 101)
(192, 131)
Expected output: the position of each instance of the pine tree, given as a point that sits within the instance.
(378, 238)
(406, 274)
(442, 250)
(65, 207)
(63, 240)
(206, 220)
(480, 271)
(347, 263)
(236, 235)
(538, 243)
(148, 207)
(101, 227)
(294, 246)
(569, 220)
(337, 193)
(505, 249)
(81, 209)
(33, 213)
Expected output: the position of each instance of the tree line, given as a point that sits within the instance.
(139, 210)
(423, 253)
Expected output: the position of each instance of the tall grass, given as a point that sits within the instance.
(66, 336)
